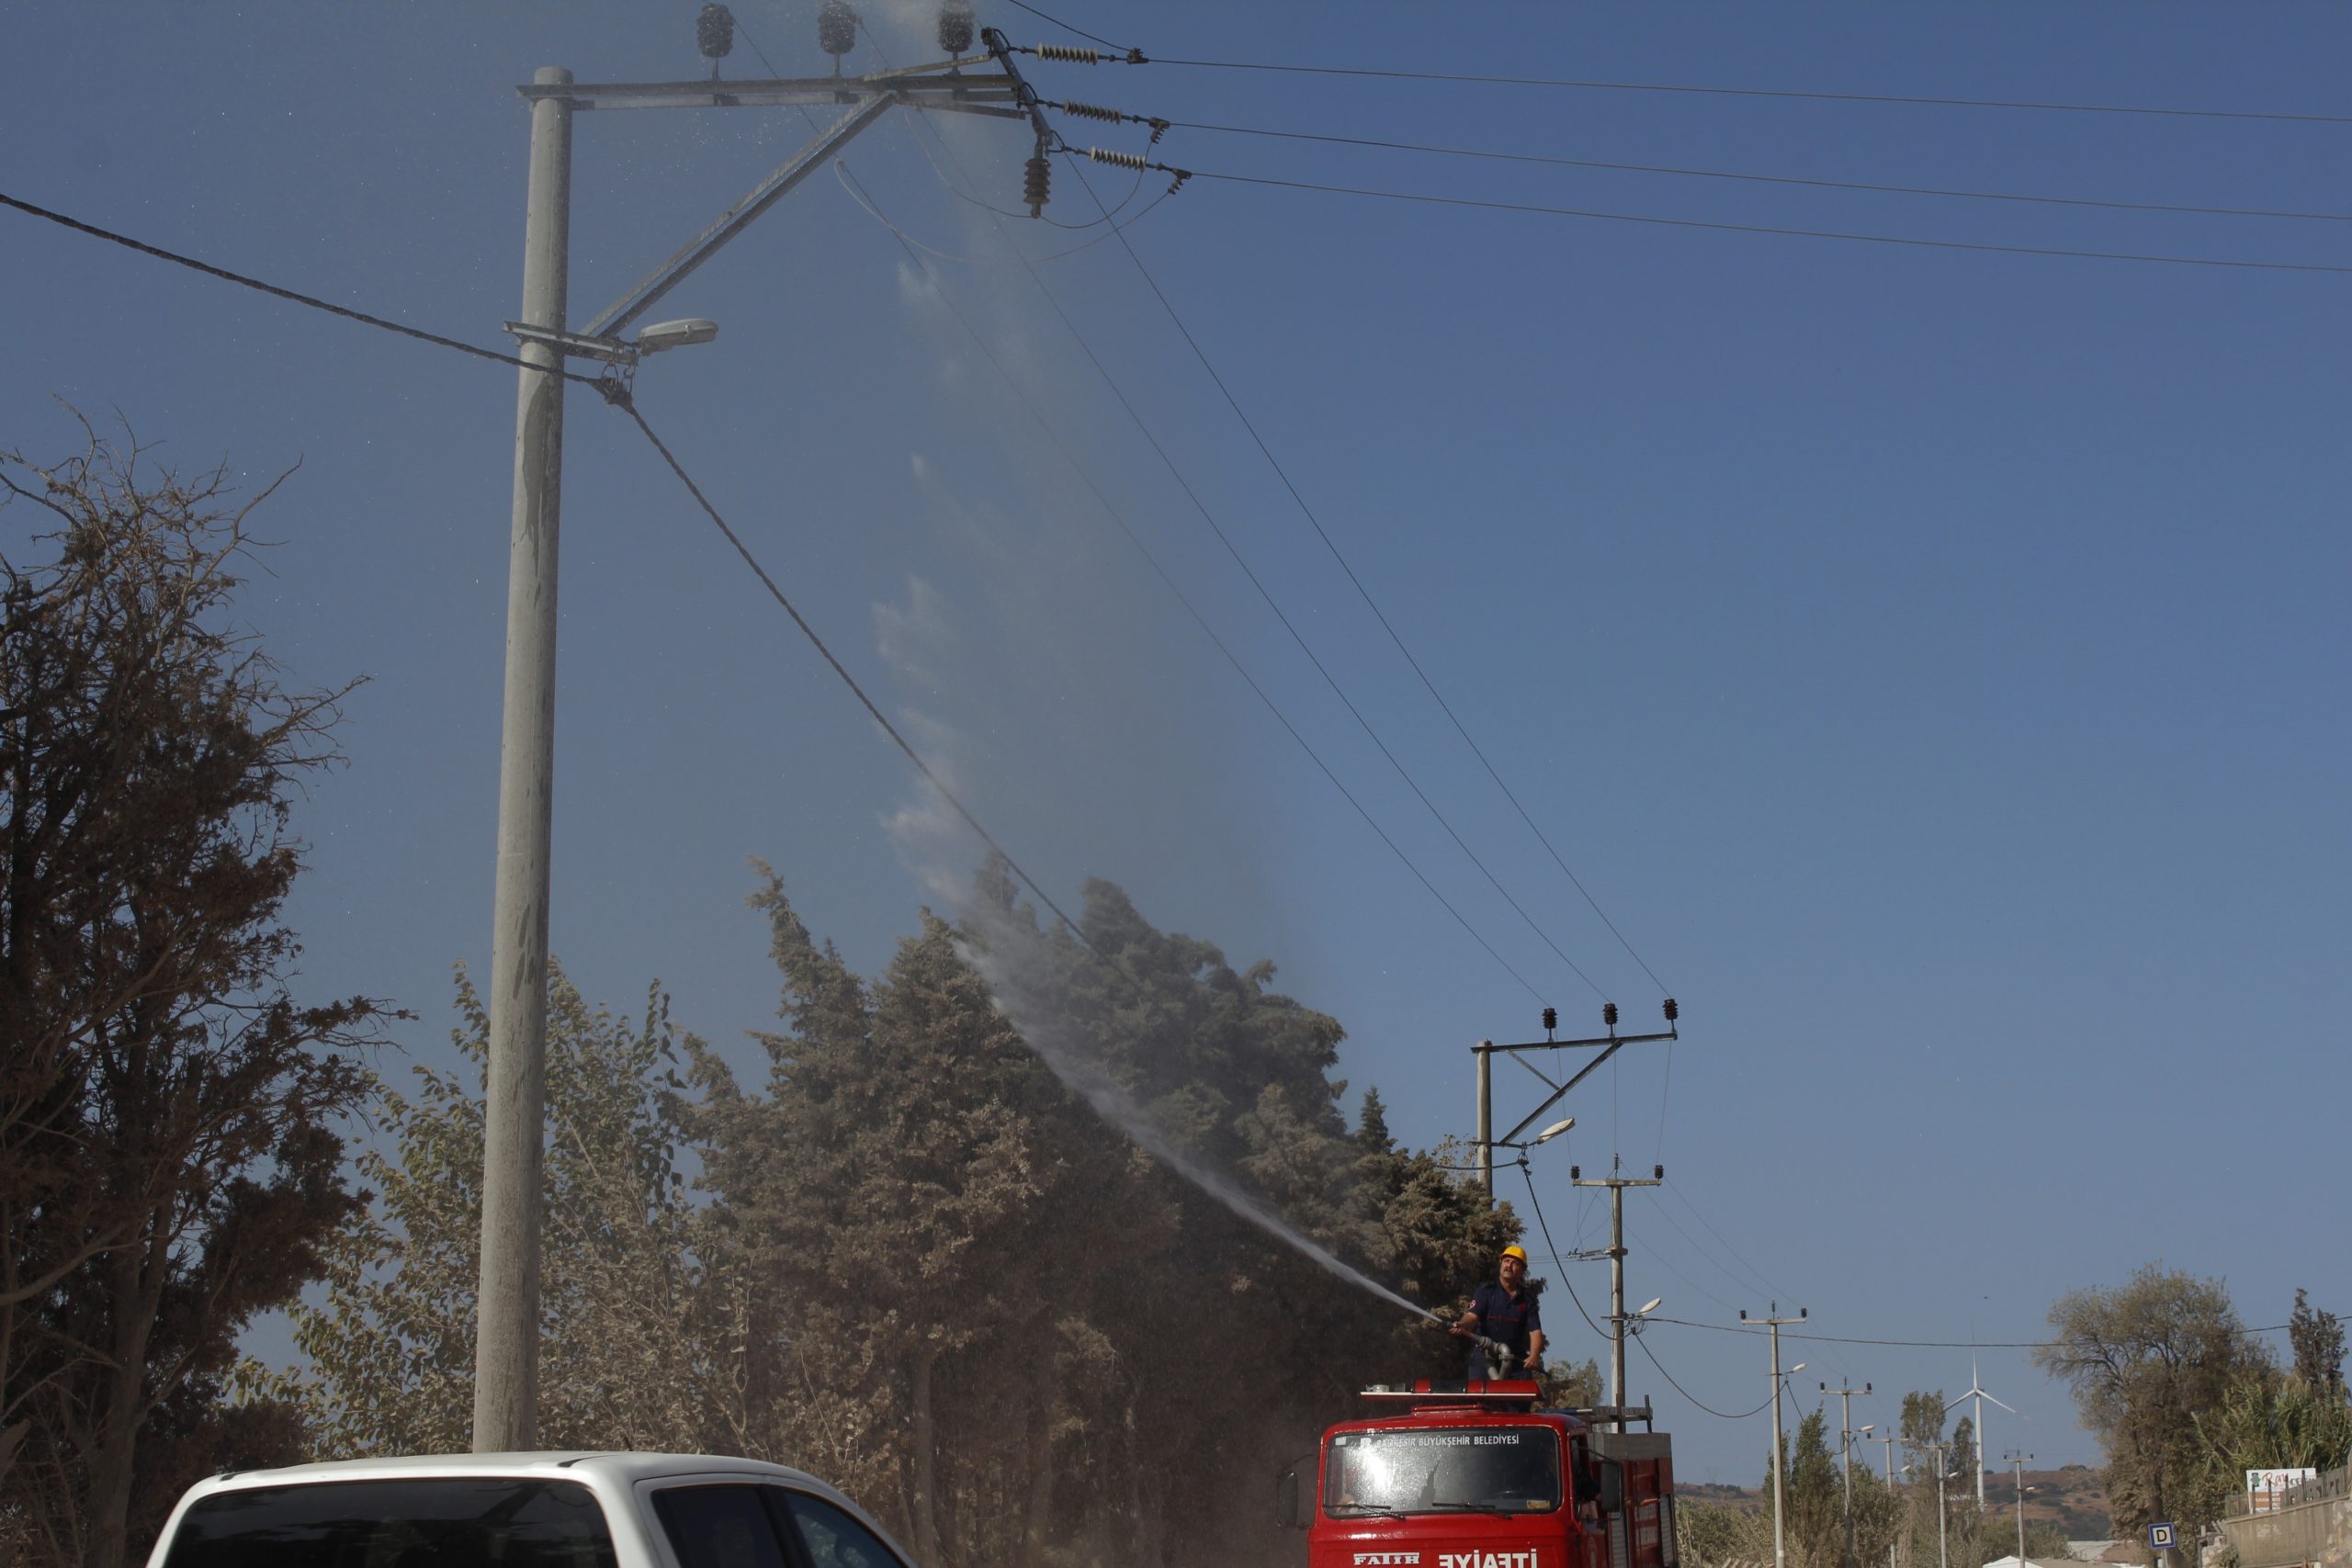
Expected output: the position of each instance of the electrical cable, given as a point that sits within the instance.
(1918, 1344)
(273, 289)
(1193, 495)
(1312, 657)
(619, 397)
(1536, 1204)
(1532, 1203)
(841, 173)
(962, 194)
(1738, 1283)
(1847, 235)
(1655, 1256)
(1759, 179)
(1723, 1415)
(1137, 540)
(1394, 636)
(1756, 92)
(1755, 1274)
(627, 405)
(1081, 32)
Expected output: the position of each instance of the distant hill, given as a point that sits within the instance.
(2073, 1497)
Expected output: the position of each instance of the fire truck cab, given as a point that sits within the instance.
(1472, 1475)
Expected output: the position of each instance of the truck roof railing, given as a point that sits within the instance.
(1595, 1414)
(1500, 1393)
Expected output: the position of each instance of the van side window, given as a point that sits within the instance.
(833, 1538)
(719, 1526)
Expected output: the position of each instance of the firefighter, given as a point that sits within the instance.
(1506, 1311)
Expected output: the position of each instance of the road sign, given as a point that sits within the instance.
(2160, 1536)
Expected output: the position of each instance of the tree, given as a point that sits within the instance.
(933, 1216)
(1959, 1460)
(2268, 1419)
(1922, 1427)
(633, 1345)
(2147, 1360)
(1815, 1531)
(2318, 1340)
(169, 1162)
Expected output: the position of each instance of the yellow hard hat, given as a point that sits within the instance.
(1515, 1250)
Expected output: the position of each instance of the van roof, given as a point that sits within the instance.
(621, 1466)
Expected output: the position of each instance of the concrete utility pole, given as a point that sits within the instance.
(2020, 1461)
(1943, 1542)
(506, 1342)
(1609, 1045)
(1485, 1049)
(1845, 1455)
(1889, 1441)
(1618, 1317)
(1779, 1490)
(506, 1360)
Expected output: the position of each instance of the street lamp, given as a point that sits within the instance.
(1546, 1136)
(676, 334)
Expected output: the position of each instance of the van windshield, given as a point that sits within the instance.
(1442, 1470)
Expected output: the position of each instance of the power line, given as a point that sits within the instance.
(1921, 1344)
(271, 288)
(1850, 236)
(1759, 179)
(1200, 620)
(1386, 626)
(627, 405)
(1756, 92)
(617, 395)
(1081, 32)
(1686, 1278)
(1554, 1247)
(1570, 1285)
(1693, 1398)
(840, 172)
(1755, 1275)
(1291, 627)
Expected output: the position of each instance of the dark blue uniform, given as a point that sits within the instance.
(1504, 1319)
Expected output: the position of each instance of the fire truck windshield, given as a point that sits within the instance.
(1442, 1470)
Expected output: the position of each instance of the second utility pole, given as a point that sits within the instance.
(1779, 1490)
(1846, 1450)
(1617, 1314)
(2019, 1461)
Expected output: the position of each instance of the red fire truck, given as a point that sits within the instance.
(1472, 1475)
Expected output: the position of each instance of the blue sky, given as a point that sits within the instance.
(1932, 661)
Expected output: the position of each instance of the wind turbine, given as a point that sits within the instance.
(1976, 1392)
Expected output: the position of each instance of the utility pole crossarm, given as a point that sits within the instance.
(1614, 1046)
(738, 218)
(933, 86)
